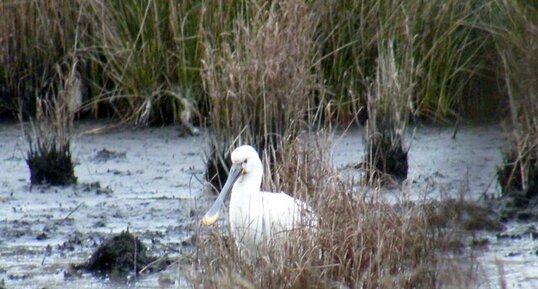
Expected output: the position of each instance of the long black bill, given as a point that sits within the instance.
(213, 214)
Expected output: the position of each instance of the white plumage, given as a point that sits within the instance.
(257, 217)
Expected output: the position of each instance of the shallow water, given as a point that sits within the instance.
(149, 181)
(440, 165)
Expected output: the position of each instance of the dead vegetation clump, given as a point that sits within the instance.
(260, 79)
(49, 156)
(362, 240)
(50, 164)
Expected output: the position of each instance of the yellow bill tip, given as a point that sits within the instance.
(210, 220)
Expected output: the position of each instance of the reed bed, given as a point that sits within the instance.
(142, 61)
(149, 56)
(449, 48)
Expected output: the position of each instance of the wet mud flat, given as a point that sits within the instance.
(150, 181)
(147, 181)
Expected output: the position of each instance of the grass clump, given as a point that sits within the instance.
(49, 156)
(516, 38)
(389, 106)
(50, 164)
(261, 77)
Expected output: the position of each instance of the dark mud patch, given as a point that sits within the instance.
(74, 241)
(94, 187)
(528, 231)
(518, 180)
(118, 256)
(517, 207)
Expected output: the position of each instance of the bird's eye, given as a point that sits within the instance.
(245, 161)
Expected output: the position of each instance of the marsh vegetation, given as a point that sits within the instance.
(284, 76)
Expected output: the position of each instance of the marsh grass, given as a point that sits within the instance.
(49, 155)
(516, 38)
(261, 77)
(141, 61)
(453, 53)
(36, 37)
(148, 54)
(362, 241)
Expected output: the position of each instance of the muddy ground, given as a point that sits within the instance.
(150, 181)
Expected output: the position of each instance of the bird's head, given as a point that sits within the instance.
(246, 159)
(245, 163)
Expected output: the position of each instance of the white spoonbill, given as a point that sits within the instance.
(255, 216)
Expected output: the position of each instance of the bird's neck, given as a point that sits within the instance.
(247, 185)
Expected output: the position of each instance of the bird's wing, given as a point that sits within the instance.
(289, 212)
